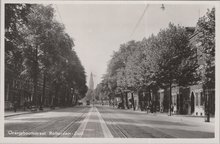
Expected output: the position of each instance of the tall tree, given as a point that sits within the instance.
(174, 64)
(141, 66)
(49, 55)
(39, 46)
(206, 37)
(15, 18)
(39, 22)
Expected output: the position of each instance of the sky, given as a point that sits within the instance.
(100, 29)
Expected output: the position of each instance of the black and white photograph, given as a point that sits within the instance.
(109, 72)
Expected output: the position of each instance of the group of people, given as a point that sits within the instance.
(15, 105)
(174, 108)
(151, 107)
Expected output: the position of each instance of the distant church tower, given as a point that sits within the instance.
(91, 82)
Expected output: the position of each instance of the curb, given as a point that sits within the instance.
(16, 114)
(178, 117)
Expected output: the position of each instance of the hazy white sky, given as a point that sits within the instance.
(99, 29)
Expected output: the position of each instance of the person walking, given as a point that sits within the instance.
(24, 105)
(172, 109)
(15, 106)
(175, 109)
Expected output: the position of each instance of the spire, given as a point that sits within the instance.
(91, 82)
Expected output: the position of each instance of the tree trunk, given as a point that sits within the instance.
(140, 99)
(149, 103)
(132, 96)
(207, 106)
(122, 101)
(76, 99)
(170, 99)
(126, 100)
(35, 98)
(44, 86)
(34, 101)
(57, 87)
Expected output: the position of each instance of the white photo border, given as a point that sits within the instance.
(110, 140)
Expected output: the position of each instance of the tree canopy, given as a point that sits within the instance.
(156, 62)
(44, 49)
(206, 37)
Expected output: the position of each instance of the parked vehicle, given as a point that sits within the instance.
(120, 106)
(33, 108)
(80, 103)
(87, 102)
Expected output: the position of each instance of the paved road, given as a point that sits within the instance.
(103, 121)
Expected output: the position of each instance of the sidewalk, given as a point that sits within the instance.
(178, 117)
(186, 118)
(9, 113)
(197, 119)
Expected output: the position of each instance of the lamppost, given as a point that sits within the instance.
(207, 106)
(71, 92)
(93, 100)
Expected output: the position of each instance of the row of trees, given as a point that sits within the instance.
(161, 61)
(37, 48)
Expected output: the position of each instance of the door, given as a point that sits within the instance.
(192, 103)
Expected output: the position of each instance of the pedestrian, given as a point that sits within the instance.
(171, 108)
(161, 108)
(175, 109)
(24, 105)
(11, 106)
(151, 107)
(15, 106)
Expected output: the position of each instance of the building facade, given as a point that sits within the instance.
(191, 100)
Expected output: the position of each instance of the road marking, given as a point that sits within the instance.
(105, 129)
(79, 132)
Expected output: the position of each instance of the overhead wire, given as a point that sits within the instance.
(59, 13)
(139, 20)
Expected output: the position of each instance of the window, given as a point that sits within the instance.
(175, 99)
(197, 99)
(202, 98)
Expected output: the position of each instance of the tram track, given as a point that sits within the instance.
(72, 126)
(117, 131)
(114, 125)
(55, 125)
